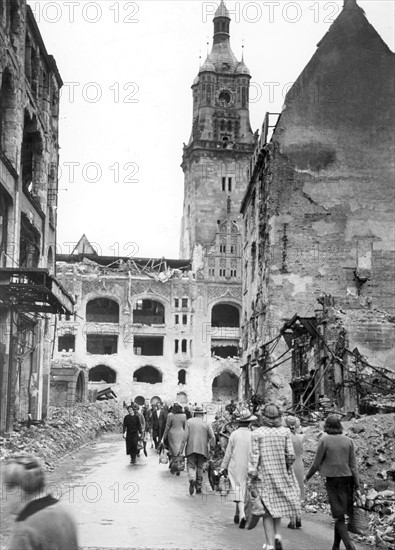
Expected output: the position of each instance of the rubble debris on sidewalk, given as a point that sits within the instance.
(65, 430)
(374, 440)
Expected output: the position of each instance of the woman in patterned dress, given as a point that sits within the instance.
(270, 472)
(293, 424)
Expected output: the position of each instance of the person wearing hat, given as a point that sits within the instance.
(336, 461)
(198, 436)
(235, 463)
(42, 522)
(293, 423)
(270, 473)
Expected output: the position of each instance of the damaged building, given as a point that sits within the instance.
(318, 309)
(170, 329)
(30, 295)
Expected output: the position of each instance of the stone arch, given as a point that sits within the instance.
(225, 314)
(148, 311)
(102, 309)
(102, 373)
(225, 385)
(80, 388)
(148, 374)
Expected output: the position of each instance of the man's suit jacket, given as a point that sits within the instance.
(198, 436)
(158, 423)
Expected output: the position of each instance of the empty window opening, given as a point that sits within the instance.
(66, 342)
(229, 184)
(183, 346)
(149, 375)
(225, 387)
(185, 319)
(176, 302)
(223, 184)
(149, 312)
(148, 345)
(102, 344)
(176, 319)
(102, 373)
(102, 310)
(222, 272)
(222, 248)
(185, 302)
(182, 376)
(29, 252)
(176, 346)
(225, 315)
(211, 272)
(190, 348)
(224, 350)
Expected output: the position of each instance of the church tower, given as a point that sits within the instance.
(216, 159)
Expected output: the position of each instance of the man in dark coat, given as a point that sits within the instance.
(158, 424)
(198, 437)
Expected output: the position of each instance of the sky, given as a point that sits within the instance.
(126, 103)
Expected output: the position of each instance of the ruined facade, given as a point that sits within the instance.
(170, 329)
(29, 293)
(318, 221)
(148, 329)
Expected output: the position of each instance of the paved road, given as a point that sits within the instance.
(121, 506)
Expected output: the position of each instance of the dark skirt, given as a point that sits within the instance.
(340, 495)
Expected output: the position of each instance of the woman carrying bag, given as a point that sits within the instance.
(335, 460)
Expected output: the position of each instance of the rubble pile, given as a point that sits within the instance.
(64, 431)
(374, 440)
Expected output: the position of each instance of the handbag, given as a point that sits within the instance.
(140, 444)
(224, 485)
(163, 457)
(358, 522)
(177, 464)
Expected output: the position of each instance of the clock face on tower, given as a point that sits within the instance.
(225, 97)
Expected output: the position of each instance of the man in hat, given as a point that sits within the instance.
(42, 521)
(199, 435)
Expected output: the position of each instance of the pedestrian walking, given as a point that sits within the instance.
(158, 424)
(235, 463)
(132, 429)
(270, 473)
(138, 413)
(173, 435)
(42, 522)
(198, 437)
(335, 459)
(293, 423)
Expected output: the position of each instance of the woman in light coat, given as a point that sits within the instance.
(235, 463)
(270, 472)
(174, 431)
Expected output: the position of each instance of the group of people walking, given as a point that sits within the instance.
(263, 460)
(266, 464)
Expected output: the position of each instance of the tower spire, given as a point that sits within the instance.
(221, 24)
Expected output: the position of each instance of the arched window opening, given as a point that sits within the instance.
(102, 310)
(66, 342)
(32, 157)
(225, 387)
(149, 312)
(140, 400)
(182, 376)
(79, 389)
(149, 375)
(225, 315)
(102, 373)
